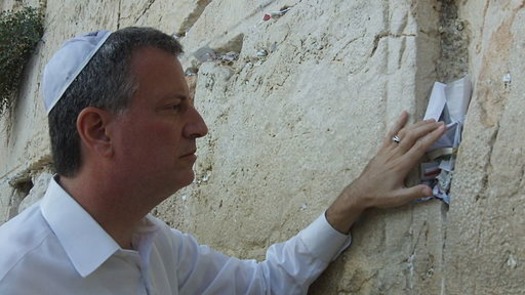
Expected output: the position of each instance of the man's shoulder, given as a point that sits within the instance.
(20, 236)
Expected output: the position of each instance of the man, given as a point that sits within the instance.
(123, 131)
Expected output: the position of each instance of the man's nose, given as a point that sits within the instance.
(196, 127)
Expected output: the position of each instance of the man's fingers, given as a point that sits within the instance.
(384, 175)
(416, 133)
(402, 133)
(423, 143)
(403, 196)
(416, 192)
(413, 193)
(400, 123)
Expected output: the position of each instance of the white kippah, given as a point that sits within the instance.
(67, 63)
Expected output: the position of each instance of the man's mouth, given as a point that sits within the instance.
(192, 153)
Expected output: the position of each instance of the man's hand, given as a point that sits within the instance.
(382, 182)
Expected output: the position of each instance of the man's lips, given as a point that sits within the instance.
(192, 153)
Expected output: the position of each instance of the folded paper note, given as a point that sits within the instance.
(447, 103)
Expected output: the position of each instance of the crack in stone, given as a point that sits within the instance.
(444, 215)
(383, 35)
(119, 13)
(146, 8)
(344, 47)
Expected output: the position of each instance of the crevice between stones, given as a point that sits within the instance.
(454, 41)
(119, 13)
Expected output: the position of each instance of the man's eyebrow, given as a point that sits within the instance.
(177, 96)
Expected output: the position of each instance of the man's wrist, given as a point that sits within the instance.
(344, 211)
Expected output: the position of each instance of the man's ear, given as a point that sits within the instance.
(92, 126)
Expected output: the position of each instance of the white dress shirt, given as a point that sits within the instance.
(56, 247)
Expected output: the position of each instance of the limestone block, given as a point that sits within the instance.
(172, 17)
(65, 19)
(224, 18)
(222, 25)
(485, 253)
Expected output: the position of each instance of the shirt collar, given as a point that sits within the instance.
(76, 230)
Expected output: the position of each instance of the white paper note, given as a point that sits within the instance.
(437, 102)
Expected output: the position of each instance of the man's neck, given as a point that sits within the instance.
(116, 216)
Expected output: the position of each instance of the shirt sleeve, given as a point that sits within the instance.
(289, 267)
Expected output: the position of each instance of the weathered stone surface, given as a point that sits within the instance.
(298, 114)
(172, 17)
(277, 123)
(484, 246)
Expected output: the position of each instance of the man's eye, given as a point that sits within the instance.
(178, 108)
(174, 107)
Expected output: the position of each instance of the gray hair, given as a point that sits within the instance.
(106, 82)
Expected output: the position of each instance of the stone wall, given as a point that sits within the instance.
(299, 113)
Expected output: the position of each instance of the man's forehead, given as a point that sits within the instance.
(158, 73)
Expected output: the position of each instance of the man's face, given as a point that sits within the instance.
(155, 136)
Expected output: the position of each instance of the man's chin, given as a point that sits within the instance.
(187, 179)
